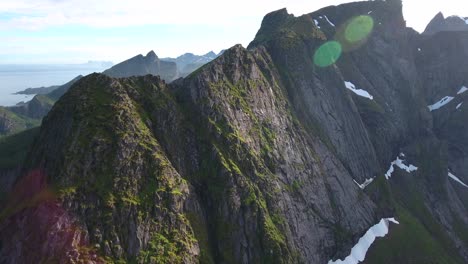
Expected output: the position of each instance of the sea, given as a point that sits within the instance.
(15, 78)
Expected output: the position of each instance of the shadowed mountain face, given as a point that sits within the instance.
(286, 152)
(142, 65)
(440, 23)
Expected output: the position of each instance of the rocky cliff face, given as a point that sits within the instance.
(279, 153)
(142, 65)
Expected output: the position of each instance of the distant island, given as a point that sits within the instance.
(38, 90)
(92, 65)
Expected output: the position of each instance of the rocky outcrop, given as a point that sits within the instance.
(452, 23)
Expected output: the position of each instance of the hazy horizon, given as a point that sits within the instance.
(69, 32)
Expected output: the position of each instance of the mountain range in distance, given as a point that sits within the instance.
(188, 62)
(185, 64)
(26, 115)
(168, 69)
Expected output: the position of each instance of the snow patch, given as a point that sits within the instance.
(399, 163)
(462, 18)
(316, 23)
(447, 100)
(440, 103)
(370, 12)
(359, 92)
(419, 49)
(462, 90)
(359, 251)
(365, 183)
(329, 22)
(455, 178)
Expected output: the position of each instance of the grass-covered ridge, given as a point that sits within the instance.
(11, 123)
(117, 170)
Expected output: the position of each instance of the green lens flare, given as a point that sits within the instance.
(327, 54)
(359, 28)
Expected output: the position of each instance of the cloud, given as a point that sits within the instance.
(79, 30)
(39, 14)
(419, 14)
(171, 27)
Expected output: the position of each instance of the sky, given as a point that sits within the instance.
(76, 31)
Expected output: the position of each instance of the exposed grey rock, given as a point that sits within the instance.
(452, 23)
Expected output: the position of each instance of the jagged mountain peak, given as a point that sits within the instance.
(151, 55)
(451, 23)
(273, 20)
(439, 16)
(324, 24)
